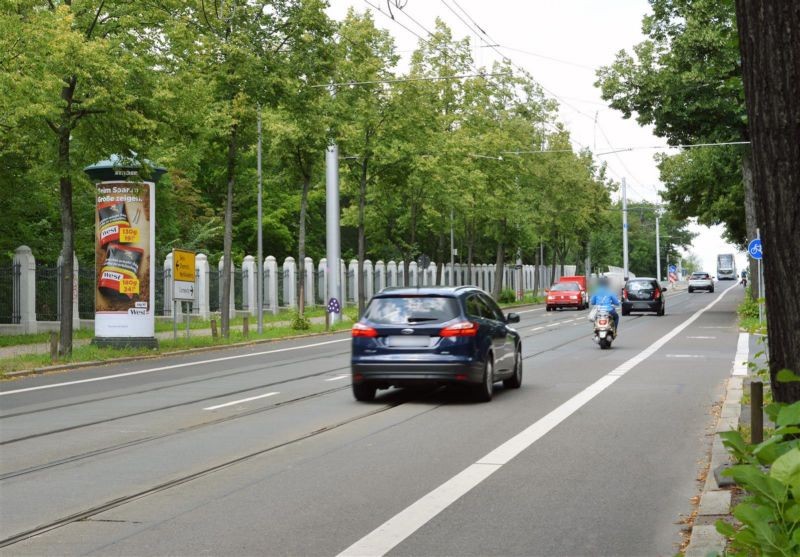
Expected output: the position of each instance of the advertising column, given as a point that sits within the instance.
(124, 258)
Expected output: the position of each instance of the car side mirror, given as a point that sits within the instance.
(512, 318)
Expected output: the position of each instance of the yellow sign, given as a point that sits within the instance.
(183, 262)
(129, 286)
(128, 235)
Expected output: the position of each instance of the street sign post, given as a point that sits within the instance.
(755, 251)
(183, 278)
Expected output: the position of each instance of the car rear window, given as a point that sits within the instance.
(700, 275)
(403, 310)
(640, 285)
(566, 286)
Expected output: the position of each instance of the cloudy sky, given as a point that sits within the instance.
(561, 44)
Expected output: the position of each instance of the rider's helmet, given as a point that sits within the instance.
(603, 282)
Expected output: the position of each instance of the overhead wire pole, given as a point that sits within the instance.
(333, 248)
(452, 251)
(624, 229)
(658, 251)
(260, 249)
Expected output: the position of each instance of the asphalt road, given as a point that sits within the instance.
(263, 451)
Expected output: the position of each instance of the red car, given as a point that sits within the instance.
(566, 295)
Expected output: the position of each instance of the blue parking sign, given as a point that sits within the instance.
(754, 249)
(672, 268)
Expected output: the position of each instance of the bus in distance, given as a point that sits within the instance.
(726, 267)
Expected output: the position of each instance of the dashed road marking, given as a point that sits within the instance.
(241, 401)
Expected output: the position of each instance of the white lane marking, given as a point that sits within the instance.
(742, 355)
(389, 534)
(527, 310)
(338, 377)
(174, 366)
(703, 338)
(241, 401)
(537, 329)
(684, 356)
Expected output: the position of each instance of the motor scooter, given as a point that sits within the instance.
(604, 330)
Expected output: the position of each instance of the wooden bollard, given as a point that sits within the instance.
(756, 412)
(53, 346)
(246, 326)
(213, 328)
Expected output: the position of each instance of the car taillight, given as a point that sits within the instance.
(624, 293)
(656, 294)
(464, 329)
(361, 330)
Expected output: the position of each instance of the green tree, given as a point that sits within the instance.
(71, 77)
(685, 79)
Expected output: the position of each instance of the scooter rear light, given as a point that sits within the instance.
(602, 321)
(463, 329)
(361, 330)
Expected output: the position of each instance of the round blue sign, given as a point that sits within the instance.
(334, 306)
(672, 268)
(754, 249)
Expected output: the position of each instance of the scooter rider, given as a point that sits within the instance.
(605, 299)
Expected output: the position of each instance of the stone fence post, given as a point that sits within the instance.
(169, 303)
(322, 280)
(369, 278)
(249, 285)
(201, 302)
(271, 284)
(352, 286)
(380, 275)
(309, 281)
(391, 273)
(290, 282)
(25, 285)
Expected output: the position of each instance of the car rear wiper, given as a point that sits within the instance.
(416, 319)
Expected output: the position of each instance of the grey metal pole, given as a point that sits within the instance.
(452, 251)
(260, 257)
(332, 239)
(760, 283)
(624, 229)
(658, 253)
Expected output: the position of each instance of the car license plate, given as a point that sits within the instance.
(641, 306)
(416, 341)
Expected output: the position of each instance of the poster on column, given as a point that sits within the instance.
(124, 249)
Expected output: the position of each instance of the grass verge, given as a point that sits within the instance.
(91, 353)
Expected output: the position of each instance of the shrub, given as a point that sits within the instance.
(769, 472)
(507, 296)
(300, 322)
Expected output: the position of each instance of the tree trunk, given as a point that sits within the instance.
(555, 259)
(750, 216)
(362, 239)
(470, 252)
(301, 246)
(498, 270)
(68, 244)
(226, 248)
(769, 39)
(64, 132)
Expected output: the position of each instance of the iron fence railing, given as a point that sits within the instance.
(48, 292)
(9, 293)
(86, 290)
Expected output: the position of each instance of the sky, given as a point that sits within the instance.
(561, 43)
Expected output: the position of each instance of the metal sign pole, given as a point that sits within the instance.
(175, 319)
(760, 284)
(188, 317)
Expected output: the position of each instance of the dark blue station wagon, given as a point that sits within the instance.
(444, 335)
